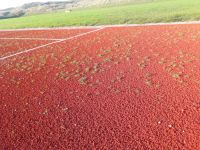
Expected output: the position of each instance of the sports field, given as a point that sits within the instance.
(106, 87)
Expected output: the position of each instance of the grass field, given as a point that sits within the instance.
(157, 11)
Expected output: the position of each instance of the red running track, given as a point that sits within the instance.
(118, 88)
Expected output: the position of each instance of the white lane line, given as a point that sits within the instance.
(42, 39)
(155, 24)
(53, 28)
(100, 26)
(35, 48)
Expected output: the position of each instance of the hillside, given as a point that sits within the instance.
(48, 7)
(153, 12)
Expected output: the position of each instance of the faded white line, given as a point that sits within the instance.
(155, 24)
(42, 39)
(100, 26)
(53, 28)
(32, 49)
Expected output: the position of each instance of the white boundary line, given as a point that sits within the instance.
(35, 48)
(89, 27)
(42, 39)
(100, 26)
(54, 28)
(156, 24)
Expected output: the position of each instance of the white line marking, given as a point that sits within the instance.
(32, 49)
(155, 24)
(120, 25)
(43, 39)
(53, 28)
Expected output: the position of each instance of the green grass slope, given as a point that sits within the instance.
(157, 11)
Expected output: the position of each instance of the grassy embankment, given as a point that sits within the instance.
(158, 11)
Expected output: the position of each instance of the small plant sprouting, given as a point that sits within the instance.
(83, 80)
(177, 75)
(162, 61)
